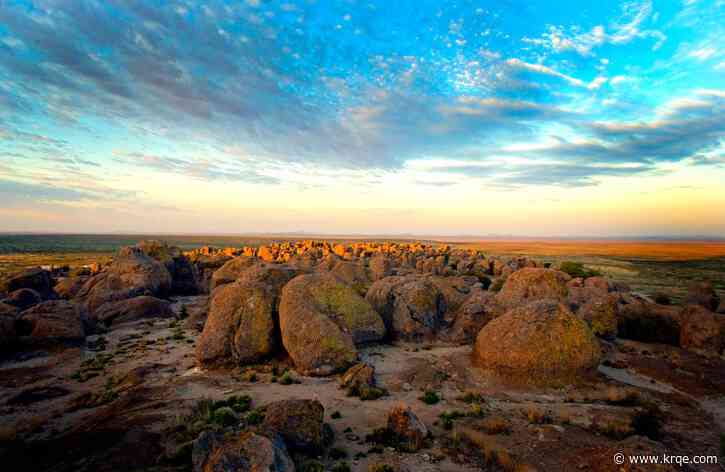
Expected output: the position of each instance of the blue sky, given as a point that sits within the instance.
(510, 117)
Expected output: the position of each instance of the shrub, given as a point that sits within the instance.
(341, 467)
(254, 417)
(287, 379)
(336, 415)
(537, 416)
(224, 416)
(371, 393)
(495, 425)
(313, 466)
(577, 269)
(430, 398)
(448, 417)
(337, 453)
(381, 468)
(184, 313)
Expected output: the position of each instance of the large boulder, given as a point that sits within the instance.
(131, 274)
(532, 284)
(703, 294)
(596, 306)
(299, 422)
(206, 265)
(539, 342)
(380, 266)
(68, 287)
(35, 279)
(410, 431)
(322, 320)
(246, 452)
(8, 334)
(243, 322)
(702, 330)
(184, 274)
(23, 298)
(648, 322)
(353, 274)
(412, 307)
(231, 271)
(133, 309)
(474, 313)
(51, 321)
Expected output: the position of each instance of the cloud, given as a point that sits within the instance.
(622, 31)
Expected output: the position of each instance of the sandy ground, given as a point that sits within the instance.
(155, 381)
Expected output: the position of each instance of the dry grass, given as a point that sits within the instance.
(493, 453)
(658, 250)
(536, 415)
(495, 425)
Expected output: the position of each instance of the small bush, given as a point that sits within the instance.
(381, 468)
(577, 269)
(184, 313)
(430, 398)
(224, 416)
(312, 466)
(495, 425)
(287, 379)
(341, 467)
(448, 417)
(372, 393)
(472, 397)
(254, 417)
(336, 415)
(648, 422)
(337, 453)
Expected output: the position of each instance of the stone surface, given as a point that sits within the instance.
(244, 452)
(411, 432)
(321, 322)
(541, 342)
(298, 422)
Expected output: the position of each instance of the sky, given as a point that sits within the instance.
(508, 117)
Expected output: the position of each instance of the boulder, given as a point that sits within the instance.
(299, 422)
(243, 322)
(539, 342)
(598, 307)
(56, 320)
(647, 322)
(353, 274)
(380, 267)
(412, 307)
(23, 298)
(474, 313)
(702, 330)
(133, 309)
(358, 378)
(231, 271)
(703, 294)
(35, 279)
(8, 334)
(410, 431)
(68, 287)
(131, 274)
(597, 283)
(532, 284)
(321, 322)
(206, 265)
(8, 310)
(246, 451)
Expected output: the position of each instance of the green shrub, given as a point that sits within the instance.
(341, 467)
(184, 313)
(577, 269)
(254, 417)
(337, 453)
(224, 416)
(336, 415)
(430, 398)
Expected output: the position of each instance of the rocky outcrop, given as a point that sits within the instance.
(243, 322)
(246, 451)
(410, 431)
(597, 306)
(702, 330)
(35, 279)
(298, 422)
(131, 274)
(412, 307)
(23, 298)
(133, 309)
(474, 313)
(322, 320)
(231, 271)
(539, 342)
(703, 294)
(52, 321)
(69, 287)
(643, 321)
(531, 284)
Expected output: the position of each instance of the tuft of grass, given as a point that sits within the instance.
(380, 468)
(577, 269)
(287, 379)
(184, 313)
(447, 418)
(312, 466)
(430, 398)
(472, 397)
(495, 425)
(341, 467)
(493, 453)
